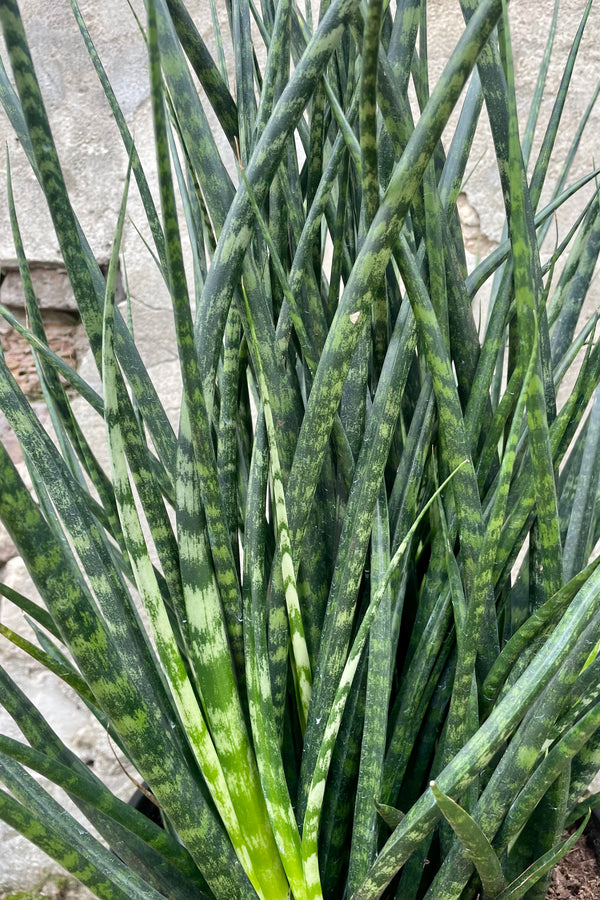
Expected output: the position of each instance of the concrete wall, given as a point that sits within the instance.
(94, 163)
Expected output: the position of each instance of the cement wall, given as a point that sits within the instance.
(94, 163)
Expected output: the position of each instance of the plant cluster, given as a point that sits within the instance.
(367, 661)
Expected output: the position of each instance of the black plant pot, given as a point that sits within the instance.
(144, 805)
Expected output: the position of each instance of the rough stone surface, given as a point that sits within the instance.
(7, 548)
(530, 24)
(50, 284)
(65, 335)
(94, 163)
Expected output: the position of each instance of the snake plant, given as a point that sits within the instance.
(343, 616)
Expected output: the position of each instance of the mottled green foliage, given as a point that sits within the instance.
(365, 556)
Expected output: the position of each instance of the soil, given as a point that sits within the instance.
(577, 876)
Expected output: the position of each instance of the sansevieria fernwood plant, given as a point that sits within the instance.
(343, 618)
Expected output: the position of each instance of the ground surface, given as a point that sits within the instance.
(577, 876)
